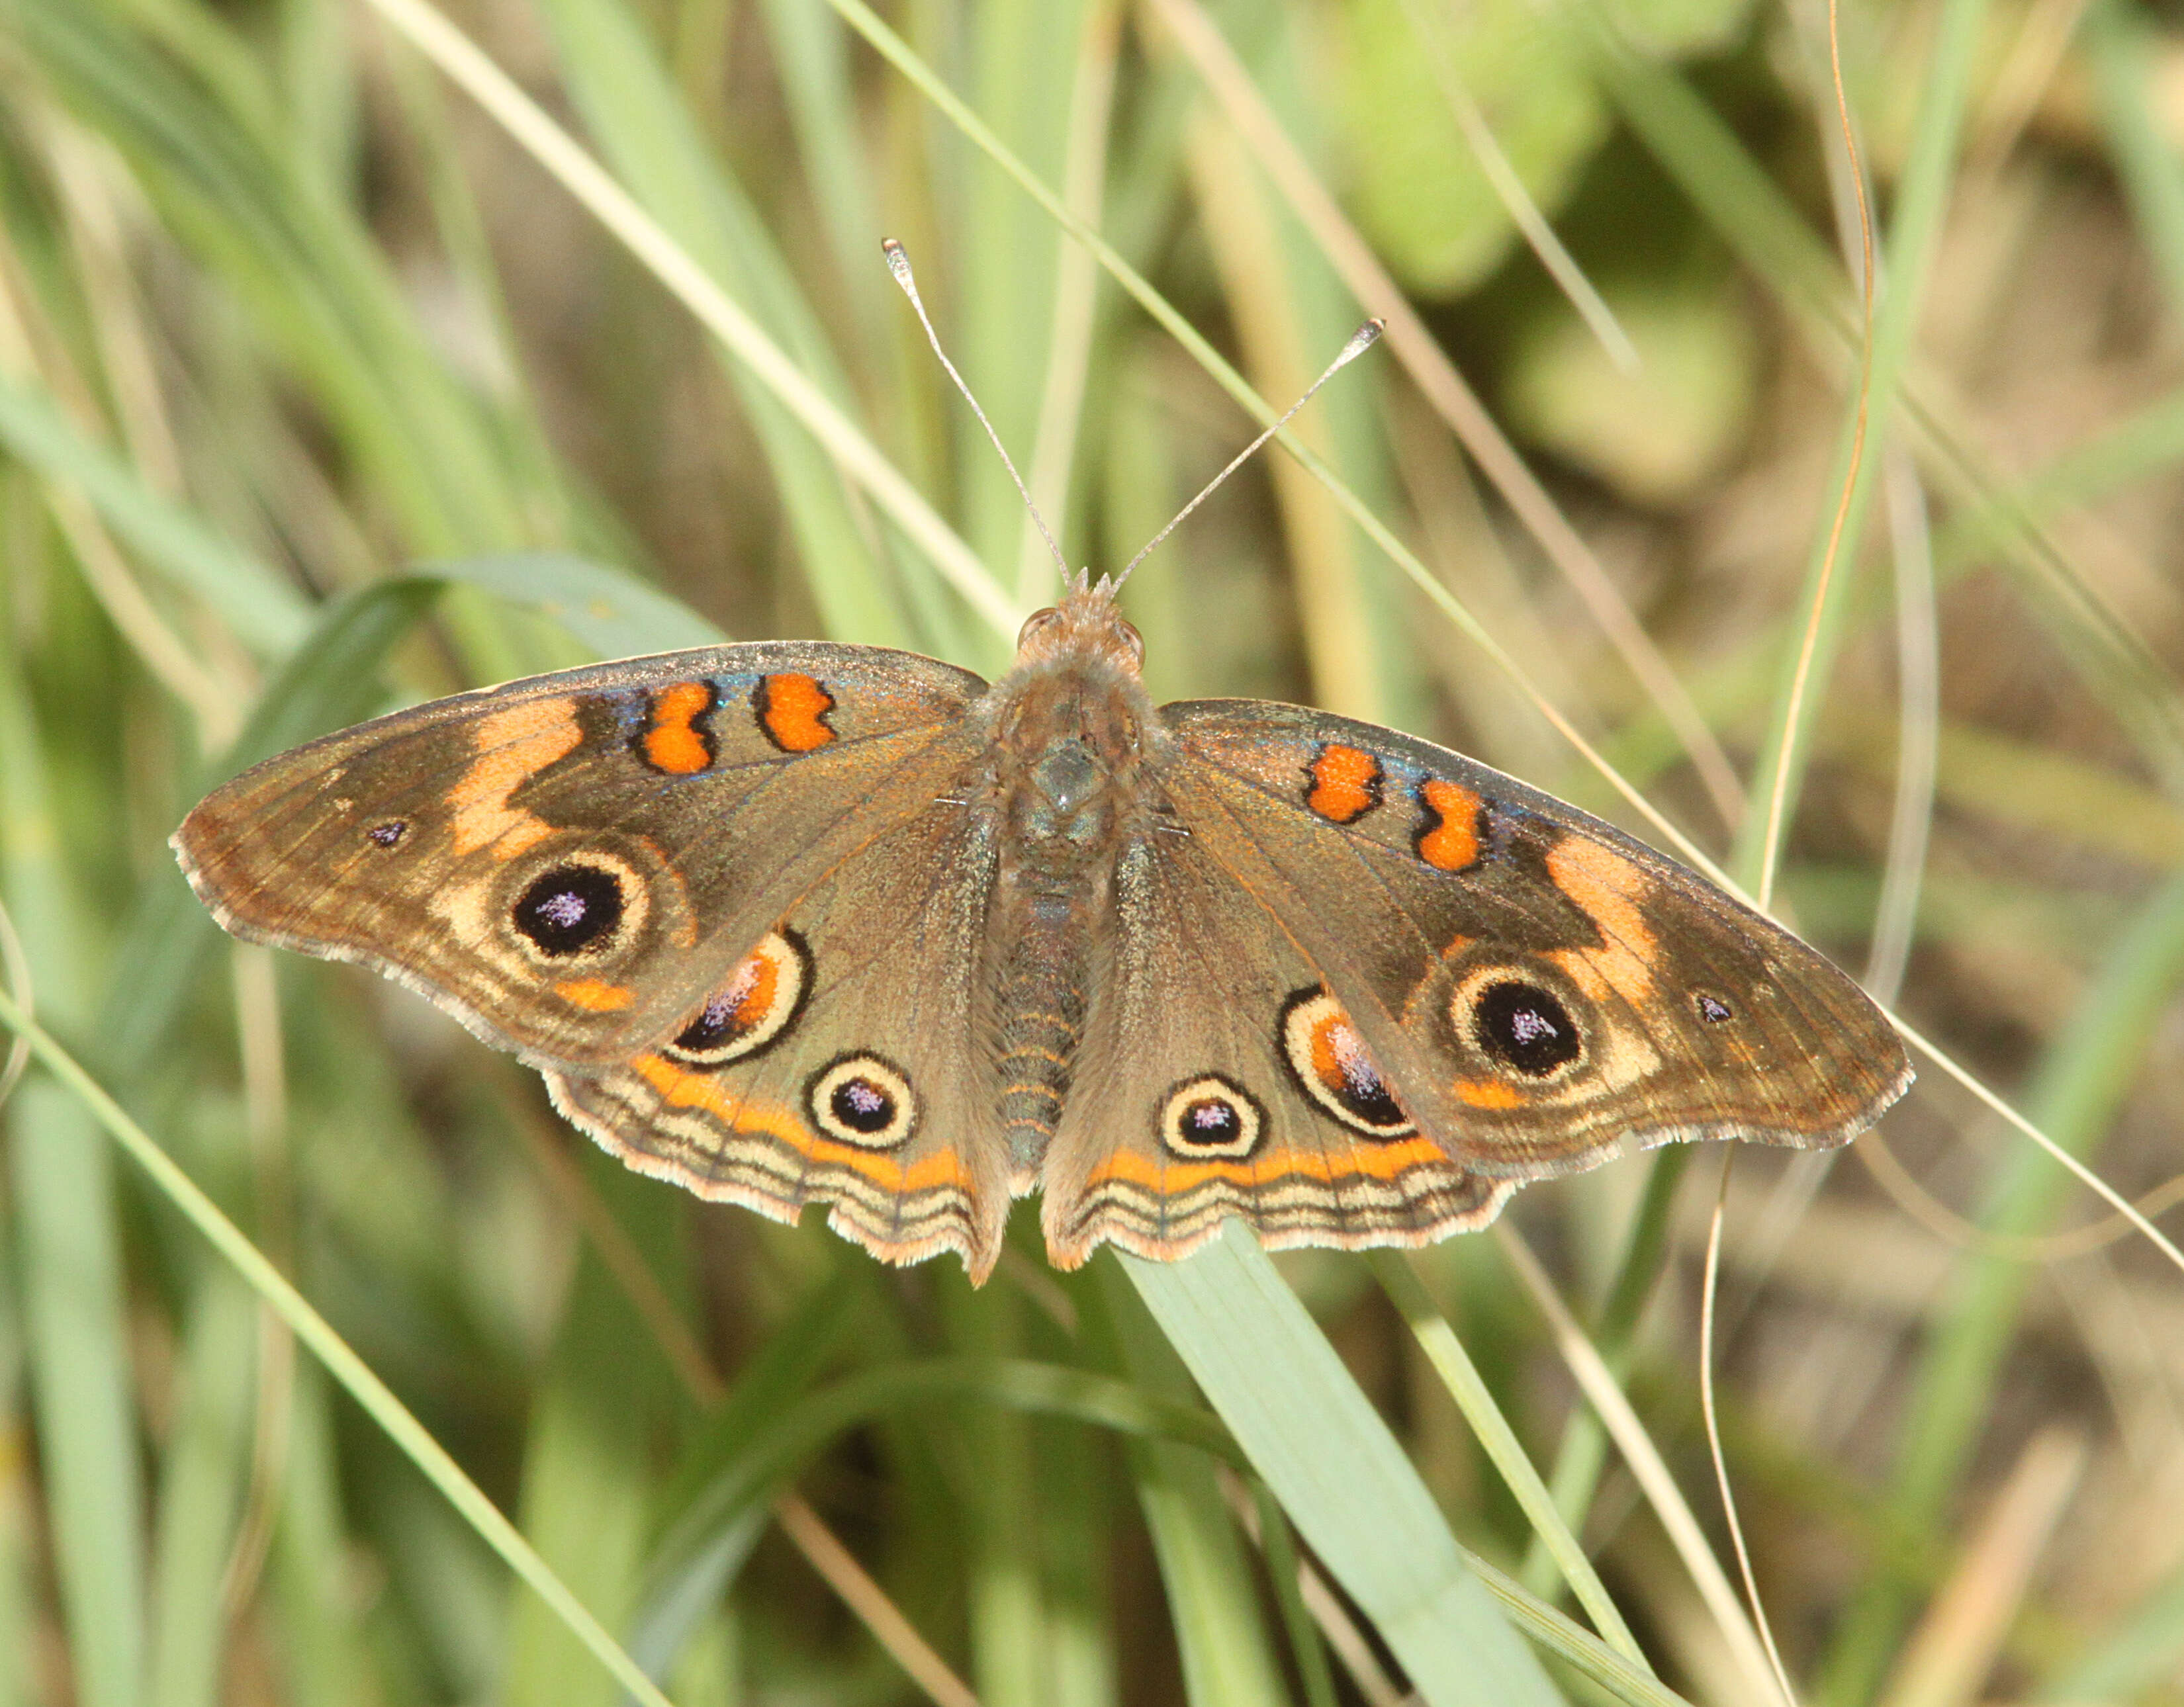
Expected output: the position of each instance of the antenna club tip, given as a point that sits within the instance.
(898, 259)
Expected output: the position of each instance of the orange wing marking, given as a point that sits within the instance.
(513, 747)
(594, 996)
(774, 1120)
(1451, 842)
(792, 711)
(1382, 1161)
(673, 740)
(1608, 889)
(1345, 783)
(1486, 1093)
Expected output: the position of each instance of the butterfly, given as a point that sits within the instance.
(790, 922)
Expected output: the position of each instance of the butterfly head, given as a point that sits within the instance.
(1087, 625)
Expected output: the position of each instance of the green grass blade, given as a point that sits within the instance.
(1212, 1602)
(1338, 1472)
(2121, 53)
(648, 137)
(2074, 1097)
(20, 1583)
(206, 1467)
(64, 1226)
(609, 610)
(1913, 232)
(604, 1396)
(259, 608)
(1453, 1363)
(392, 1417)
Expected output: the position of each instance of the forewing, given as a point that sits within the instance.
(569, 862)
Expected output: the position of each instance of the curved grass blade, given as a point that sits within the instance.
(651, 140)
(1338, 1471)
(63, 1222)
(259, 607)
(378, 1401)
(2074, 1097)
(709, 1535)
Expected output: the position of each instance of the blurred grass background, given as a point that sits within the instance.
(283, 315)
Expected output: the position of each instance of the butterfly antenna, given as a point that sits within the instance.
(898, 262)
(1359, 342)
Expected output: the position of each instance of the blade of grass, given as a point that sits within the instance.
(204, 1468)
(1020, 63)
(1437, 378)
(1914, 231)
(324, 1660)
(1461, 1377)
(1599, 1387)
(21, 1612)
(460, 59)
(2082, 1077)
(605, 1393)
(256, 605)
(1212, 1602)
(392, 1416)
(2120, 51)
(1338, 1472)
(64, 1211)
(650, 140)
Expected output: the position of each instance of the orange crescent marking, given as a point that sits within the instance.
(513, 747)
(596, 997)
(1173, 1179)
(687, 1090)
(673, 743)
(1452, 844)
(1486, 1093)
(1346, 784)
(793, 710)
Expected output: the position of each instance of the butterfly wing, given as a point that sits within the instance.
(569, 864)
(1539, 990)
(1216, 1078)
(839, 1061)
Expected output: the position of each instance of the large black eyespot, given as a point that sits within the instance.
(1523, 1026)
(569, 908)
(863, 1100)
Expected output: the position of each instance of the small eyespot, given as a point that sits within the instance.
(388, 834)
(753, 1007)
(863, 1100)
(1331, 1064)
(1712, 1009)
(1211, 1118)
(1523, 1026)
(569, 908)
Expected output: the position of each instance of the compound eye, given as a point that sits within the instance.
(1034, 624)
